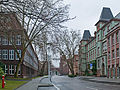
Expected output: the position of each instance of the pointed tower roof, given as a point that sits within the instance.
(106, 15)
(117, 16)
(86, 35)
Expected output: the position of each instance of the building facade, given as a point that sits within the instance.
(11, 31)
(64, 70)
(82, 52)
(113, 45)
(102, 50)
(91, 56)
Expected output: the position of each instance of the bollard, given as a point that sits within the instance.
(3, 81)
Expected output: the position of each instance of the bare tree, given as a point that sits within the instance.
(67, 42)
(34, 16)
(40, 44)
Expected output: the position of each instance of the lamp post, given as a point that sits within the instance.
(49, 72)
(49, 60)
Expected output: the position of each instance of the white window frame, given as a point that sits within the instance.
(5, 55)
(11, 54)
(4, 40)
(18, 40)
(6, 69)
(11, 40)
(11, 69)
(19, 51)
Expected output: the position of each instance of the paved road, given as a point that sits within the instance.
(66, 83)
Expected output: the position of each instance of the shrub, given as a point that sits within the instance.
(1, 72)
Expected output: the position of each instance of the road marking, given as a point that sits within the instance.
(92, 88)
(56, 86)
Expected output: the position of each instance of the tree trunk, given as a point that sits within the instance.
(42, 69)
(70, 67)
(18, 65)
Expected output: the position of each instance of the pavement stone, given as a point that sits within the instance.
(31, 85)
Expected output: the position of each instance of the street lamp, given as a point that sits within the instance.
(49, 60)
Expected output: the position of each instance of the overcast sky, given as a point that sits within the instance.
(87, 12)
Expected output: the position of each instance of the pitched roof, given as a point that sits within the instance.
(117, 16)
(106, 14)
(86, 35)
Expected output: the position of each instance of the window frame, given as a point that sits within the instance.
(4, 54)
(11, 54)
(20, 54)
(18, 40)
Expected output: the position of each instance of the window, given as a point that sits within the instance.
(113, 39)
(113, 54)
(98, 52)
(103, 32)
(6, 69)
(108, 55)
(117, 52)
(98, 63)
(11, 40)
(11, 54)
(11, 69)
(16, 68)
(19, 51)
(0, 54)
(4, 41)
(5, 54)
(98, 37)
(18, 40)
(117, 37)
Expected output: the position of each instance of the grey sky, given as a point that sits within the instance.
(87, 12)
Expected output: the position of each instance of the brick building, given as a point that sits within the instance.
(76, 65)
(113, 45)
(12, 31)
(103, 48)
(64, 70)
(82, 52)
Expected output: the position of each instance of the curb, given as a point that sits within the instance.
(43, 78)
(87, 79)
(45, 85)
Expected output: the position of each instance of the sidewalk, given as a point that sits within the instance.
(115, 81)
(43, 83)
(46, 85)
(31, 85)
